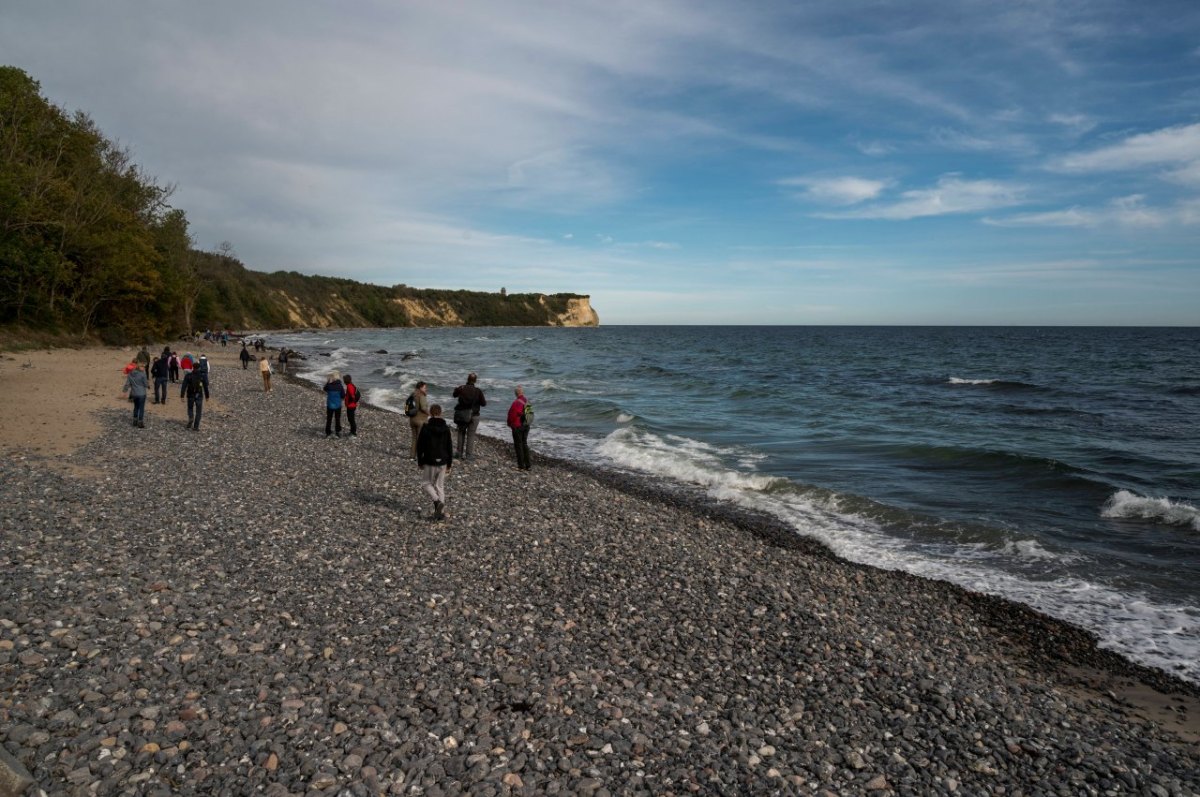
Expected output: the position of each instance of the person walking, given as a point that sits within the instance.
(245, 356)
(136, 386)
(352, 397)
(143, 360)
(173, 368)
(520, 416)
(159, 370)
(435, 457)
(283, 358)
(195, 387)
(418, 405)
(264, 368)
(335, 393)
(466, 415)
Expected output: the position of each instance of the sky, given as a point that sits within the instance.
(680, 161)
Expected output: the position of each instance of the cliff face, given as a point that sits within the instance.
(234, 297)
(579, 313)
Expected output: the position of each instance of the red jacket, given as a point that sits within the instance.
(351, 396)
(516, 413)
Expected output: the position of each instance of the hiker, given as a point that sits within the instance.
(416, 407)
(520, 417)
(435, 457)
(352, 397)
(135, 386)
(264, 368)
(245, 356)
(159, 370)
(335, 392)
(195, 387)
(466, 415)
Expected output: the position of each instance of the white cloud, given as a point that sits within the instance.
(1130, 211)
(951, 195)
(1188, 175)
(961, 141)
(837, 190)
(1180, 144)
(1075, 122)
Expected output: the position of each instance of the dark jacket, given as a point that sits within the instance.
(469, 396)
(245, 355)
(195, 383)
(159, 369)
(434, 445)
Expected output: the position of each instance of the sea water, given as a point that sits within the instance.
(1056, 467)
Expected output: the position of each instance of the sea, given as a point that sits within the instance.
(1055, 467)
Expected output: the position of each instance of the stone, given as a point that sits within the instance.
(14, 778)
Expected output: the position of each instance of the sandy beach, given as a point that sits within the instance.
(255, 608)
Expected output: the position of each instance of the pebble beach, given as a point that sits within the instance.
(255, 608)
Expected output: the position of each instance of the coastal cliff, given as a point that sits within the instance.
(232, 296)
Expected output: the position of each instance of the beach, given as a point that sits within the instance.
(254, 607)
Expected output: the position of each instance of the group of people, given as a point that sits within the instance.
(264, 365)
(433, 446)
(432, 441)
(165, 369)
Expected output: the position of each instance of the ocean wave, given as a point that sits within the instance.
(386, 398)
(995, 384)
(1127, 505)
(680, 459)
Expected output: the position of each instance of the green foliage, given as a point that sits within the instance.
(90, 247)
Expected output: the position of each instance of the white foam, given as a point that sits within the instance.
(954, 380)
(1158, 634)
(1126, 504)
(1032, 549)
(624, 417)
(391, 399)
(678, 458)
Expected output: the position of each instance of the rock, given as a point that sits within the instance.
(14, 778)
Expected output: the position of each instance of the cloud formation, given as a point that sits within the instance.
(1178, 144)
(589, 145)
(951, 195)
(836, 190)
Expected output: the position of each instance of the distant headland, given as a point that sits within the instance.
(90, 250)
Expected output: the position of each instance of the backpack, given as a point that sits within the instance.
(410, 405)
(527, 416)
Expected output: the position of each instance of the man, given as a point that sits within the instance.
(434, 459)
(245, 356)
(143, 359)
(466, 415)
(519, 423)
(159, 370)
(195, 387)
(420, 403)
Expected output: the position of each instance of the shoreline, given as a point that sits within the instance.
(544, 583)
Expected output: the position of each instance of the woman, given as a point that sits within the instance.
(264, 367)
(335, 392)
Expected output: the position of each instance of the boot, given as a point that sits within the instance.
(438, 514)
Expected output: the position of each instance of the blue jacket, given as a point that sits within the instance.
(335, 391)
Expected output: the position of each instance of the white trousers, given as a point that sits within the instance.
(433, 482)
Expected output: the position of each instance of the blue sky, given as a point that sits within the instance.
(682, 162)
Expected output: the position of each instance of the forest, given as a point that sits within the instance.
(91, 250)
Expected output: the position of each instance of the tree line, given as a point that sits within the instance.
(90, 247)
